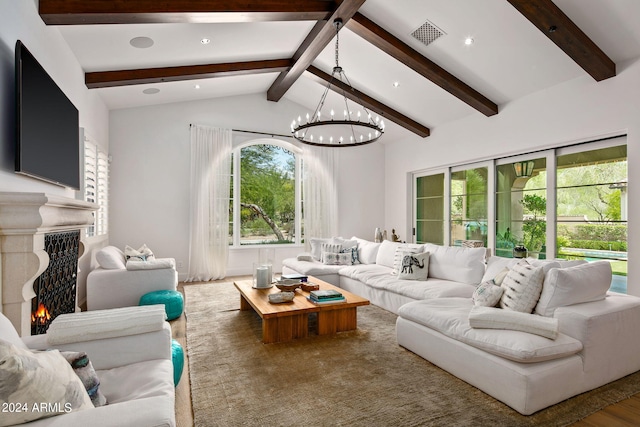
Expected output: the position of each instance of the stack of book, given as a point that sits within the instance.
(326, 296)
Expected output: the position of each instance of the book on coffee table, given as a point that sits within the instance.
(327, 301)
(325, 294)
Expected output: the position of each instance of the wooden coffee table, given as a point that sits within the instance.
(290, 320)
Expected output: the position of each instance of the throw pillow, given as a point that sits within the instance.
(500, 276)
(494, 318)
(42, 382)
(111, 258)
(84, 370)
(332, 258)
(367, 251)
(330, 247)
(354, 254)
(574, 285)
(141, 254)
(305, 257)
(522, 287)
(414, 266)
(487, 294)
(400, 252)
(316, 247)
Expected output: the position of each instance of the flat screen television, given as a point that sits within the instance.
(48, 132)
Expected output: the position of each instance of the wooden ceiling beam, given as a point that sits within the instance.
(102, 79)
(561, 30)
(84, 12)
(391, 45)
(368, 102)
(319, 37)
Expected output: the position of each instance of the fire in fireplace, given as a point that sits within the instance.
(56, 287)
(41, 315)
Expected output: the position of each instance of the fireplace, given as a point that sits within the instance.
(41, 243)
(55, 289)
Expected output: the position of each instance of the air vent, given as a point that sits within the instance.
(427, 33)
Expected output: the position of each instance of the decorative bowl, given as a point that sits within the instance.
(285, 287)
(308, 287)
(281, 297)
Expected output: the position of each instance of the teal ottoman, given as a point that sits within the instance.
(172, 300)
(177, 357)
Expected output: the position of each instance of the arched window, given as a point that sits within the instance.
(265, 205)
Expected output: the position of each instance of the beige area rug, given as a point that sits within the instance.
(358, 378)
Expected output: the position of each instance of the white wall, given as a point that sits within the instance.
(19, 20)
(576, 111)
(150, 174)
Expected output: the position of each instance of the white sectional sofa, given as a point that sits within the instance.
(595, 330)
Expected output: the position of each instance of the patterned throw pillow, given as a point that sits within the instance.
(330, 247)
(522, 287)
(414, 266)
(84, 370)
(332, 258)
(400, 252)
(487, 294)
(42, 380)
(142, 254)
(354, 254)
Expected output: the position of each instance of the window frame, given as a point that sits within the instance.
(236, 177)
(96, 166)
(550, 154)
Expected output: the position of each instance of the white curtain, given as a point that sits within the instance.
(209, 224)
(320, 167)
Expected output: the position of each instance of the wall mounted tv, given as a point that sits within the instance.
(47, 132)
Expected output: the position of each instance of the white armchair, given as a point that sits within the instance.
(115, 284)
(135, 370)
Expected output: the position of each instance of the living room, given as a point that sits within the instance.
(149, 142)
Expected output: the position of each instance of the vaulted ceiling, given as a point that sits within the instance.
(284, 49)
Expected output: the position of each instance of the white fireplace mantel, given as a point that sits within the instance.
(24, 220)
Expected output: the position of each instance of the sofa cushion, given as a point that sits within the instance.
(316, 247)
(522, 287)
(38, 378)
(458, 264)
(311, 268)
(487, 294)
(450, 317)
(111, 258)
(413, 266)
(496, 318)
(367, 251)
(574, 285)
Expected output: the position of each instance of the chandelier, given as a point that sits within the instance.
(355, 126)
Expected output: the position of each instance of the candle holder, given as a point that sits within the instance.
(262, 275)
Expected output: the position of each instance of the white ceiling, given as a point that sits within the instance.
(509, 59)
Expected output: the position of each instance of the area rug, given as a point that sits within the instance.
(357, 378)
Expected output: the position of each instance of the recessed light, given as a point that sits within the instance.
(396, 84)
(151, 91)
(141, 42)
(197, 86)
(468, 41)
(205, 41)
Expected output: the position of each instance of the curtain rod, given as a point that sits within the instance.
(258, 133)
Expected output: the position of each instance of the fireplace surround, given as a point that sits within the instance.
(25, 220)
